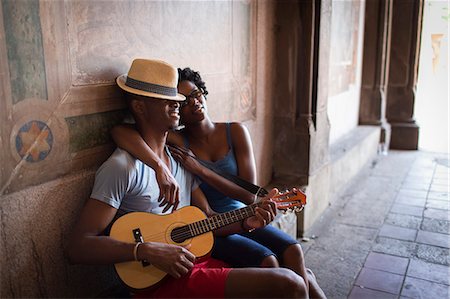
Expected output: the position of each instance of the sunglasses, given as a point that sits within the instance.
(196, 94)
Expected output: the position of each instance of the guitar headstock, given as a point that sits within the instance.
(290, 200)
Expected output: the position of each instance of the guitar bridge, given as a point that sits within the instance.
(138, 238)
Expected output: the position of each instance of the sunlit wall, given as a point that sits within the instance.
(432, 102)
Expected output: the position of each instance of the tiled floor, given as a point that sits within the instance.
(404, 251)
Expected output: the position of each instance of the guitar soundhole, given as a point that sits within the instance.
(180, 234)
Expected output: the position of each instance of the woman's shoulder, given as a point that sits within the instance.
(239, 133)
(234, 126)
(238, 129)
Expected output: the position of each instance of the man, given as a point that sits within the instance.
(124, 184)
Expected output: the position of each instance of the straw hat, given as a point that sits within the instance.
(151, 78)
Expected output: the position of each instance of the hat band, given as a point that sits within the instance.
(150, 87)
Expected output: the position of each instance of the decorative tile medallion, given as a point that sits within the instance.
(34, 141)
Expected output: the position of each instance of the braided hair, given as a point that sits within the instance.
(188, 74)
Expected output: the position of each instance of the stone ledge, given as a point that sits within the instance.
(351, 153)
(348, 156)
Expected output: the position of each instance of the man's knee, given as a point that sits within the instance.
(290, 284)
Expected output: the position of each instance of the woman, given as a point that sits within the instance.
(227, 147)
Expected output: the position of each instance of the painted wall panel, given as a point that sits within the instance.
(70, 52)
(51, 144)
(25, 52)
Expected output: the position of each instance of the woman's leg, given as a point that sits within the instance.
(314, 289)
(239, 251)
(289, 253)
(270, 262)
(286, 249)
(294, 259)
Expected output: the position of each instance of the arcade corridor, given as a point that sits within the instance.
(387, 234)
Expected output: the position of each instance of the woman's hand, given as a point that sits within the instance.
(187, 158)
(265, 212)
(169, 190)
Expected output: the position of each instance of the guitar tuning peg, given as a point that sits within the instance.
(298, 209)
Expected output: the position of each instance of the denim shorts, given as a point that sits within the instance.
(250, 248)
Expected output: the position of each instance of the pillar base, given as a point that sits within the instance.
(404, 136)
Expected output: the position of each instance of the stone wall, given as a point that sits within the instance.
(58, 61)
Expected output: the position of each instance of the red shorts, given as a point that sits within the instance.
(206, 280)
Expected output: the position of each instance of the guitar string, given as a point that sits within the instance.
(204, 225)
(186, 231)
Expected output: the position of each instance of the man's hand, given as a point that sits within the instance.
(169, 190)
(264, 213)
(172, 259)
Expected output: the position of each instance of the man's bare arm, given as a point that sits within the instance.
(88, 245)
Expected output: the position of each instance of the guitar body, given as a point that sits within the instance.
(156, 228)
(188, 225)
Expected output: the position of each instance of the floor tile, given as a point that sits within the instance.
(412, 201)
(441, 175)
(412, 193)
(438, 195)
(419, 178)
(395, 247)
(428, 271)
(435, 239)
(426, 172)
(419, 288)
(418, 181)
(433, 254)
(397, 232)
(406, 209)
(436, 214)
(359, 293)
(380, 280)
(442, 168)
(438, 181)
(408, 221)
(435, 226)
(386, 262)
(438, 204)
(439, 188)
(416, 186)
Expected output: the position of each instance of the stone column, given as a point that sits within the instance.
(301, 127)
(377, 33)
(403, 67)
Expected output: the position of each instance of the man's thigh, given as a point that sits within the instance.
(206, 280)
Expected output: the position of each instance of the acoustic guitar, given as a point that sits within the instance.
(188, 225)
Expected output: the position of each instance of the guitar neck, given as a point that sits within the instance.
(212, 223)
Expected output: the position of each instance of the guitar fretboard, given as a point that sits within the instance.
(212, 223)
